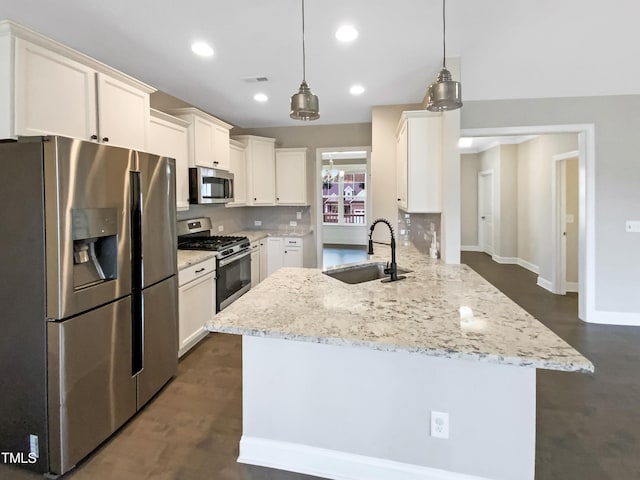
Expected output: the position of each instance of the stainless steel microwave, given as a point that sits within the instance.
(209, 185)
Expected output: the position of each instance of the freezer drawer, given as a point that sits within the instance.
(160, 349)
(91, 390)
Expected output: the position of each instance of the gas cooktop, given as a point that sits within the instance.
(215, 243)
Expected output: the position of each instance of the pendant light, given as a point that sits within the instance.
(444, 94)
(304, 104)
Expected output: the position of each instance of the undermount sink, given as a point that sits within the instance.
(360, 273)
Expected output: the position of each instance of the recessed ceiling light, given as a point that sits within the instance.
(465, 142)
(346, 33)
(260, 97)
(202, 49)
(356, 90)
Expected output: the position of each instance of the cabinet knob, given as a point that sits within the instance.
(105, 139)
(278, 198)
(399, 199)
(216, 163)
(254, 199)
(94, 137)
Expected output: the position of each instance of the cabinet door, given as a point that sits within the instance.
(171, 140)
(221, 148)
(275, 253)
(197, 305)
(238, 166)
(53, 94)
(291, 177)
(264, 255)
(123, 114)
(255, 264)
(292, 257)
(401, 165)
(203, 133)
(263, 174)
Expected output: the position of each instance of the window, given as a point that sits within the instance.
(344, 195)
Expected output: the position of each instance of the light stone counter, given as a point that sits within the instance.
(254, 235)
(418, 314)
(186, 258)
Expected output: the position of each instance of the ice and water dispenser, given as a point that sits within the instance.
(95, 246)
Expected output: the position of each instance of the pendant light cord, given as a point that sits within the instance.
(303, 52)
(444, 35)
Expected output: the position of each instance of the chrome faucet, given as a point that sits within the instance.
(392, 269)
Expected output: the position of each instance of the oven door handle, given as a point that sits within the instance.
(233, 258)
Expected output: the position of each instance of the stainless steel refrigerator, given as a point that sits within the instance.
(88, 294)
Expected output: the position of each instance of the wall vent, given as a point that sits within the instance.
(256, 79)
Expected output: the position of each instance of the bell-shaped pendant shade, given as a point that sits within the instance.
(304, 104)
(444, 94)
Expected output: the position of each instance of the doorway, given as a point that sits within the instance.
(485, 211)
(343, 204)
(566, 222)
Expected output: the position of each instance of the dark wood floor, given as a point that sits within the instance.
(588, 426)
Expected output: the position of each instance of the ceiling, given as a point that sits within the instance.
(507, 49)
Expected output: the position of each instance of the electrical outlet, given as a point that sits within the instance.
(298, 215)
(257, 223)
(221, 228)
(633, 226)
(293, 223)
(439, 424)
(34, 448)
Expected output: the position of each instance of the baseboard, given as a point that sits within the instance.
(529, 266)
(631, 319)
(471, 248)
(544, 283)
(571, 287)
(335, 465)
(504, 260)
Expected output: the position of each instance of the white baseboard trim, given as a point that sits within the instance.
(335, 465)
(529, 266)
(571, 287)
(471, 248)
(544, 283)
(504, 260)
(630, 319)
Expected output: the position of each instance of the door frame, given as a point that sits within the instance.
(481, 236)
(587, 203)
(317, 208)
(558, 219)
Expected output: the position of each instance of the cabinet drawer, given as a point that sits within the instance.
(196, 271)
(292, 242)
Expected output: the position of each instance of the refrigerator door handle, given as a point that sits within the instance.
(137, 333)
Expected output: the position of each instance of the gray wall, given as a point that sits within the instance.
(469, 168)
(617, 178)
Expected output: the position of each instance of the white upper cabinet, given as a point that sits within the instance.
(168, 137)
(238, 166)
(49, 89)
(291, 176)
(261, 179)
(208, 138)
(123, 113)
(419, 162)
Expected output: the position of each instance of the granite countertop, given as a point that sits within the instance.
(254, 235)
(186, 258)
(419, 314)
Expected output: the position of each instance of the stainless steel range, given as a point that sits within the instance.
(233, 259)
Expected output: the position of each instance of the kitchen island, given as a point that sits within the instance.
(340, 380)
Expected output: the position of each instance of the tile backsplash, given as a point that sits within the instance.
(418, 229)
(243, 218)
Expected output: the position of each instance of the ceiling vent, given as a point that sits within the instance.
(256, 79)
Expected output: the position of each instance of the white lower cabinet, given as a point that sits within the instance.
(284, 252)
(255, 263)
(197, 300)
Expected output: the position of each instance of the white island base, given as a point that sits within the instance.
(343, 412)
